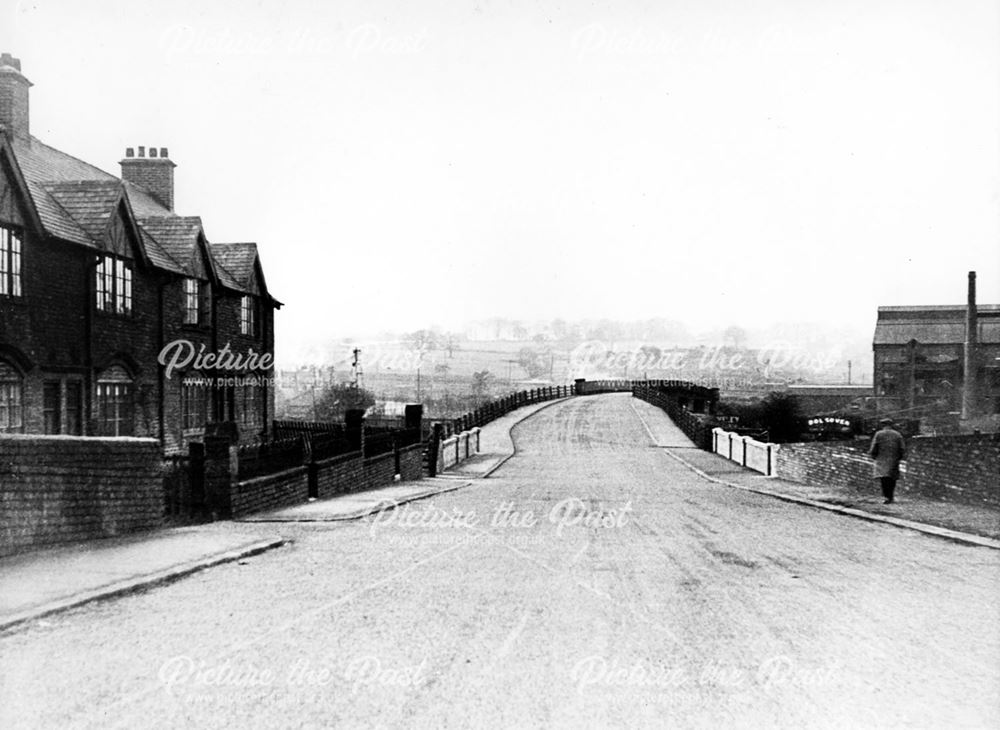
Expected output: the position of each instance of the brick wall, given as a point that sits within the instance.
(379, 471)
(963, 469)
(283, 489)
(834, 463)
(57, 489)
(955, 468)
(411, 463)
(339, 474)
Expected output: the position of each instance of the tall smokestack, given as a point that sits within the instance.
(971, 361)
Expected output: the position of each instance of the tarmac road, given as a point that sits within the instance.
(592, 581)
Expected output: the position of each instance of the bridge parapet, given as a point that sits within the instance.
(689, 405)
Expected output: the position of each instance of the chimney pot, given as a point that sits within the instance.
(152, 152)
(163, 152)
(142, 152)
(130, 151)
(8, 60)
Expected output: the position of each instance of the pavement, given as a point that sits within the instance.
(43, 582)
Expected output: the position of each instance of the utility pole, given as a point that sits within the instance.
(848, 372)
(356, 366)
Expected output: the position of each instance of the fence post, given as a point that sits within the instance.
(196, 461)
(220, 475)
(395, 453)
(432, 450)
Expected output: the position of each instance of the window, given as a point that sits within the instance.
(10, 262)
(62, 407)
(194, 410)
(114, 285)
(192, 301)
(74, 408)
(52, 406)
(11, 408)
(250, 405)
(114, 403)
(248, 315)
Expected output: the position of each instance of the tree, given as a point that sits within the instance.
(339, 398)
(480, 384)
(421, 340)
(535, 362)
(735, 336)
(781, 415)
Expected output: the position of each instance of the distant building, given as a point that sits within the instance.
(822, 398)
(920, 356)
(97, 275)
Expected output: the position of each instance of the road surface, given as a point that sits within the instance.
(592, 581)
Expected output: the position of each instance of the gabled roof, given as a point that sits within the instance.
(934, 325)
(241, 263)
(237, 260)
(176, 235)
(90, 203)
(74, 201)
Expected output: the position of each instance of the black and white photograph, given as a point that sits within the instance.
(499, 364)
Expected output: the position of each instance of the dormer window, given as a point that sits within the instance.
(248, 315)
(192, 301)
(114, 285)
(10, 262)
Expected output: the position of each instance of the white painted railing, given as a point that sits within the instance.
(745, 451)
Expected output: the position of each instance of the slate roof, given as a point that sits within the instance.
(934, 325)
(177, 235)
(237, 260)
(89, 203)
(75, 200)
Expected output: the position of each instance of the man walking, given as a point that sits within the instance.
(887, 449)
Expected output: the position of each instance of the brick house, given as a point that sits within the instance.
(98, 275)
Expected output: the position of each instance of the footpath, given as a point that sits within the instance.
(968, 524)
(44, 582)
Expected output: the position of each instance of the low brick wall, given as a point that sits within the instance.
(379, 471)
(955, 468)
(282, 489)
(833, 463)
(411, 463)
(58, 489)
(339, 474)
(962, 469)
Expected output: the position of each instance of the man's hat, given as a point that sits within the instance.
(885, 422)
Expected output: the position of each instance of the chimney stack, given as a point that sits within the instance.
(13, 97)
(155, 173)
(971, 361)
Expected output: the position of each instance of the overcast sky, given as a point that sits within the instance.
(408, 163)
